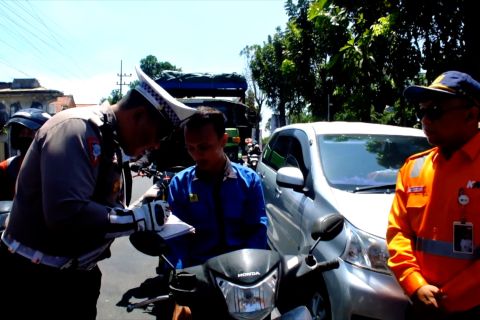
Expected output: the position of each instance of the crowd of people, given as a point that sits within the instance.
(66, 214)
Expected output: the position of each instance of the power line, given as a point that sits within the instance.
(9, 66)
(28, 30)
(32, 13)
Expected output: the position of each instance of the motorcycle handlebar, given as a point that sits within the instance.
(328, 265)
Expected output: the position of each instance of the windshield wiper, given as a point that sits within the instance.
(377, 187)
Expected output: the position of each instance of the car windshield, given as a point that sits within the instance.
(351, 161)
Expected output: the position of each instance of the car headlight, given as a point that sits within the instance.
(366, 250)
(250, 302)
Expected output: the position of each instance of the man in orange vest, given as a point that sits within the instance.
(432, 234)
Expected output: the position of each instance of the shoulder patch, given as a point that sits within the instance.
(94, 150)
(420, 154)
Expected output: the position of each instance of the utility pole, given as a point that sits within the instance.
(121, 75)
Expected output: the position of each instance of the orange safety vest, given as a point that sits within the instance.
(432, 195)
(9, 169)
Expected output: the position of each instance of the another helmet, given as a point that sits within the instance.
(31, 118)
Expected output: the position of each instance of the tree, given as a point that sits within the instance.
(273, 73)
(360, 55)
(254, 96)
(113, 98)
(153, 68)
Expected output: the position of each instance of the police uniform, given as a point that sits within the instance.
(436, 198)
(70, 206)
(56, 225)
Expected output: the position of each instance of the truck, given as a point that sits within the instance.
(225, 92)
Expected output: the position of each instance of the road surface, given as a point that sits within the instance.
(124, 271)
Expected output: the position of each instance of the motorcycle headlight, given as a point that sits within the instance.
(250, 302)
(366, 250)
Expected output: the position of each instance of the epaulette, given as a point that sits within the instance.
(96, 120)
(420, 154)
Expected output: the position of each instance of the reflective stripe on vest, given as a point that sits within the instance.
(417, 167)
(443, 248)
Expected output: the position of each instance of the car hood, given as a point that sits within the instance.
(366, 211)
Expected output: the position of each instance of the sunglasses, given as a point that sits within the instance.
(435, 112)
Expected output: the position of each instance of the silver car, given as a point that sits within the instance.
(313, 169)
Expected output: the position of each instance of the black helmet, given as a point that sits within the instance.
(31, 118)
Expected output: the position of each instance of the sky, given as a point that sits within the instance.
(79, 46)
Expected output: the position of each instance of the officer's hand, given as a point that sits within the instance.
(152, 216)
(153, 193)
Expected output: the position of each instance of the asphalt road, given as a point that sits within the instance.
(125, 270)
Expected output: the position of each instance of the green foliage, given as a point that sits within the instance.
(114, 96)
(250, 99)
(152, 67)
(133, 84)
(360, 55)
(301, 117)
(265, 140)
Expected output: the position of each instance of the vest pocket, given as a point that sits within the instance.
(416, 204)
(417, 201)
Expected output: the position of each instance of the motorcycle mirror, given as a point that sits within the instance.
(327, 227)
(149, 243)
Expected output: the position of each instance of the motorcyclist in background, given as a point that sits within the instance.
(22, 128)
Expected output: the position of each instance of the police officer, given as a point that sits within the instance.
(22, 127)
(70, 202)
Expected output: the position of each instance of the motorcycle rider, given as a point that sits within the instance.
(22, 127)
(255, 149)
(223, 200)
(70, 202)
(253, 153)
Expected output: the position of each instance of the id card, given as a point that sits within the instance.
(463, 237)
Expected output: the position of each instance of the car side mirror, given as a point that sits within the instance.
(327, 227)
(290, 177)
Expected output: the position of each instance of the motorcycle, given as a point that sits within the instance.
(242, 284)
(253, 155)
(252, 160)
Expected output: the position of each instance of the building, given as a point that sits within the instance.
(27, 93)
(62, 103)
